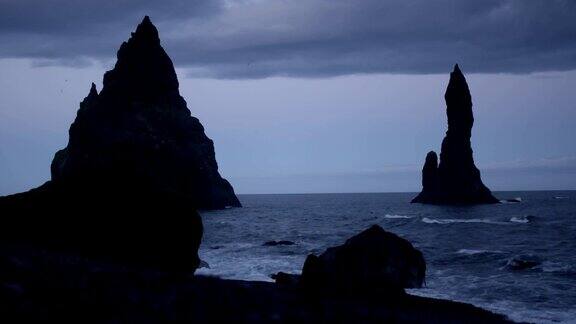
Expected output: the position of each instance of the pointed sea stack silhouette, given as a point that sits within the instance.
(136, 168)
(138, 132)
(456, 180)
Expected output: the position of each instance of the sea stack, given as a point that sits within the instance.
(136, 168)
(138, 133)
(455, 180)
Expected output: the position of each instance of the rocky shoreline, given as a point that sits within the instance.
(38, 285)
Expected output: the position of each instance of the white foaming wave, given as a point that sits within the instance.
(512, 310)
(253, 268)
(452, 221)
(511, 200)
(397, 216)
(473, 251)
(523, 220)
(520, 313)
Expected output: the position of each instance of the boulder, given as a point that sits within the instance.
(374, 262)
(286, 279)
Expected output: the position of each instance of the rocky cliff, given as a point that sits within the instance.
(138, 133)
(136, 168)
(455, 180)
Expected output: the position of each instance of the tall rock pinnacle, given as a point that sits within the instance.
(456, 180)
(138, 134)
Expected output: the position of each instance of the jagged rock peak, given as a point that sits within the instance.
(146, 32)
(143, 68)
(137, 134)
(90, 98)
(93, 92)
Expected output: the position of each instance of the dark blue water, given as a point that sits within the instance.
(466, 248)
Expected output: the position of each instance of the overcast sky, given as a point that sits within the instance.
(311, 95)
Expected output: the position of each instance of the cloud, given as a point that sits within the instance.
(305, 38)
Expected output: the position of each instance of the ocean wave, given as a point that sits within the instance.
(473, 251)
(558, 267)
(521, 313)
(511, 200)
(523, 220)
(397, 216)
(457, 220)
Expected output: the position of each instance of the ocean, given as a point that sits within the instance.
(468, 250)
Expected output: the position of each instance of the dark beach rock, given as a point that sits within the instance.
(374, 262)
(455, 180)
(66, 289)
(276, 243)
(286, 279)
(152, 228)
(523, 262)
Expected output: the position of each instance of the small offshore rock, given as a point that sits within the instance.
(523, 262)
(286, 279)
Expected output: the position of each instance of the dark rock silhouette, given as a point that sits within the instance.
(374, 262)
(136, 168)
(523, 262)
(42, 287)
(456, 180)
(140, 227)
(137, 132)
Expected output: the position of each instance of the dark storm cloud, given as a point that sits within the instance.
(72, 32)
(311, 38)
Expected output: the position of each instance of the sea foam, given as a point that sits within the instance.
(473, 251)
(453, 221)
(523, 220)
(397, 216)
